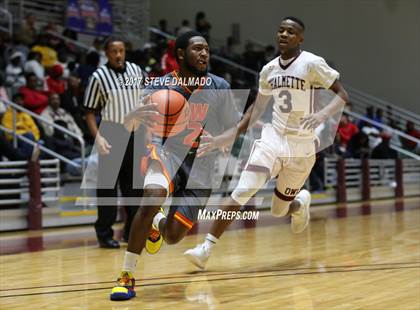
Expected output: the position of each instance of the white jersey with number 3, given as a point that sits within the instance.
(292, 87)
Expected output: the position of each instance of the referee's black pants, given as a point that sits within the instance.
(119, 167)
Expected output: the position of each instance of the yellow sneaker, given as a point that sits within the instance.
(155, 239)
(124, 289)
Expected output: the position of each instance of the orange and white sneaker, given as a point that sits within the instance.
(124, 289)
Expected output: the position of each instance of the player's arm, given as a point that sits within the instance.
(228, 137)
(336, 105)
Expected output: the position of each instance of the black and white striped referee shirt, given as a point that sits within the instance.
(114, 92)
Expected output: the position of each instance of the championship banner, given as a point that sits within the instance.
(89, 16)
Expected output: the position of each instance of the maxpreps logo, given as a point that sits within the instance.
(204, 215)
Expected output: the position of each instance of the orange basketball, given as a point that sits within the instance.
(174, 113)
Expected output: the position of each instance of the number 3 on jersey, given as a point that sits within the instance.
(286, 106)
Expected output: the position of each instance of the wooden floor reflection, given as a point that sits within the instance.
(368, 259)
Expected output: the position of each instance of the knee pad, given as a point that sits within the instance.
(279, 207)
(249, 183)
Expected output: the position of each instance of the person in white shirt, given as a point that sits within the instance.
(33, 64)
(54, 113)
(287, 146)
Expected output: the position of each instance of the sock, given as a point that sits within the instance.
(157, 219)
(210, 241)
(130, 261)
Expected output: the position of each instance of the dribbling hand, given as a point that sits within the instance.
(141, 115)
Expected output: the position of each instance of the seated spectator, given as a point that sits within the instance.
(54, 83)
(85, 70)
(346, 129)
(358, 146)
(54, 113)
(63, 62)
(202, 25)
(379, 118)
(33, 65)
(185, 27)
(369, 114)
(3, 95)
(411, 131)
(395, 139)
(168, 61)
(34, 99)
(8, 151)
(15, 76)
(49, 55)
(373, 133)
(72, 102)
(25, 126)
(383, 150)
(98, 47)
(28, 32)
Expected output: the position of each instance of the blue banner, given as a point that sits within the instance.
(89, 16)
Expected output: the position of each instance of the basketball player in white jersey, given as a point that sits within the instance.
(287, 148)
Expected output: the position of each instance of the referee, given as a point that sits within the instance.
(113, 90)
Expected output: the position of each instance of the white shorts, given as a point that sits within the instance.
(288, 158)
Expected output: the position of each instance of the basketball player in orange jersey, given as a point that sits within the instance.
(169, 167)
(286, 149)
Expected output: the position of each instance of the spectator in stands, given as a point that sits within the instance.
(373, 133)
(202, 25)
(316, 177)
(395, 139)
(86, 70)
(34, 99)
(34, 65)
(54, 113)
(379, 118)
(18, 46)
(383, 150)
(168, 61)
(15, 76)
(25, 125)
(49, 55)
(8, 151)
(185, 27)
(28, 32)
(269, 53)
(411, 131)
(54, 82)
(97, 46)
(346, 129)
(358, 146)
(369, 114)
(63, 62)
(3, 95)
(72, 102)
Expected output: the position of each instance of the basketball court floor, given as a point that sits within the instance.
(350, 257)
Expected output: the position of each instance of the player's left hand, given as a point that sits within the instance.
(312, 121)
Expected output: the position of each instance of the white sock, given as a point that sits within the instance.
(157, 219)
(130, 261)
(210, 241)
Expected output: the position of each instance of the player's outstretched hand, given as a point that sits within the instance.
(208, 144)
(312, 121)
(102, 145)
(141, 115)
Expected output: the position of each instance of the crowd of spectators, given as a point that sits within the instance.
(48, 76)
